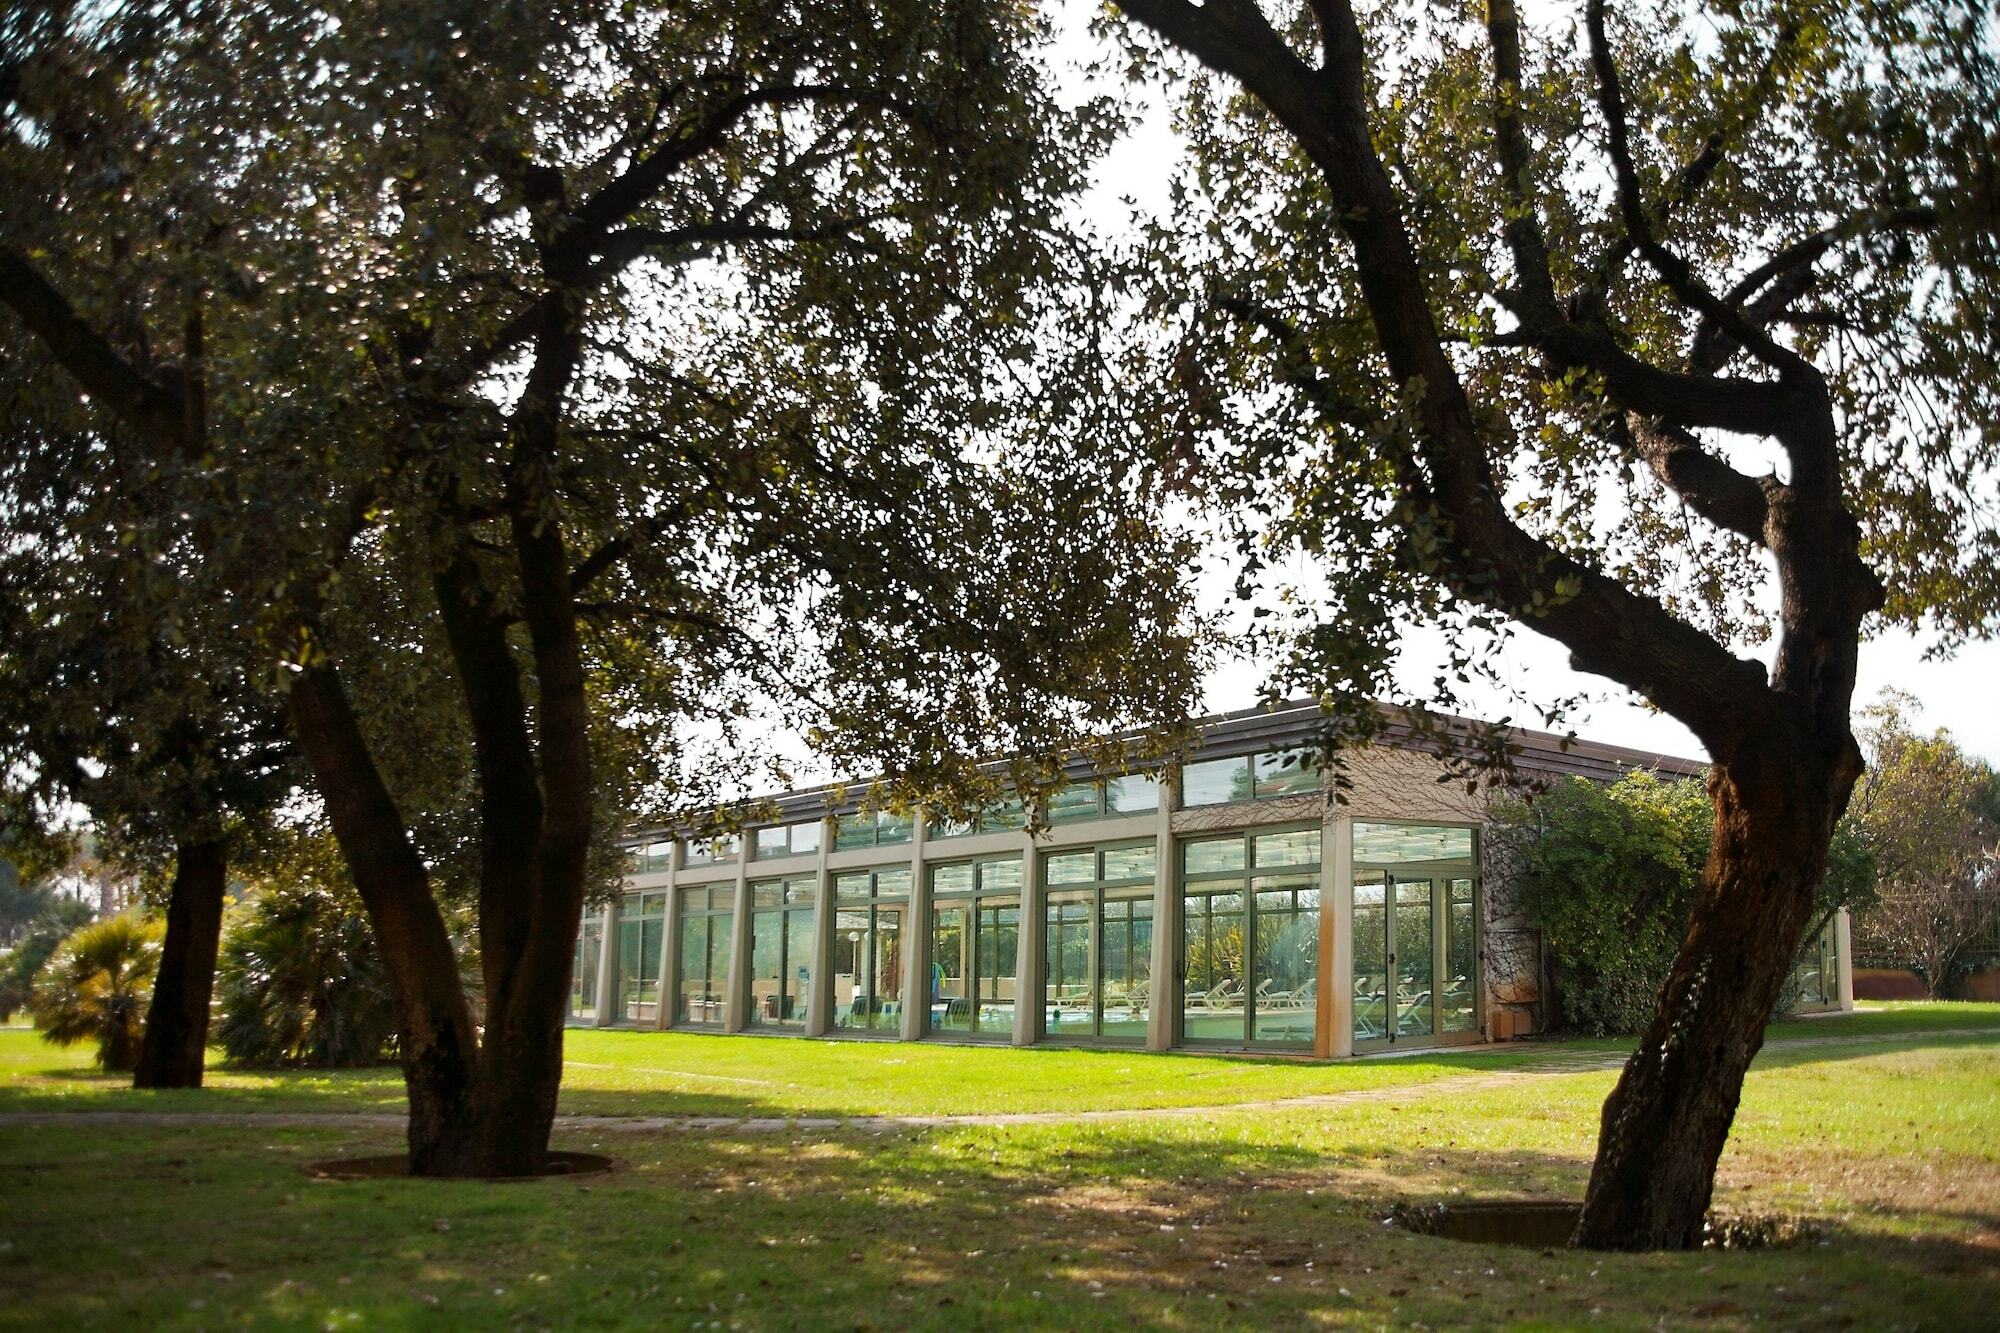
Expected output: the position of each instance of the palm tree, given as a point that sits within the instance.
(96, 987)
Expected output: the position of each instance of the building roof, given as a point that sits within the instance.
(1297, 723)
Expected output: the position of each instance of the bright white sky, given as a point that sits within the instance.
(1950, 692)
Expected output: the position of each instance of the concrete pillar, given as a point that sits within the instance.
(1028, 949)
(670, 949)
(736, 999)
(1843, 958)
(1166, 983)
(607, 963)
(917, 947)
(1337, 981)
(819, 988)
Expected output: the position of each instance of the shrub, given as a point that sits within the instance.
(301, 984)
(96, 986)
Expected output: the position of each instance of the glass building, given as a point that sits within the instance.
(1228, 903)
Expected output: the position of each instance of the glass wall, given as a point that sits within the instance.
(710, 851)
(778, 840)
(1816, 975)
(974, 943)
(1105, 798)
(1416, 934)
(1000, 817)
(1249, 777)
(705, 917)
(781, 927)
(1097, 951)
(871, 917)
(1250, 907)
(654, 857)
(583, 967)
(871, 828)
(642, 927)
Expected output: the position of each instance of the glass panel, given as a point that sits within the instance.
(1298, 848)
(1068, 1002)
(655, 857)
(1212, 854)
(693, 900)
(1455, 1007)
(1004, 873)
(583, 970)
(805, 837)
(852, 831)
(1078, 800)
(798, 966)
(1134, 793)
(1003, 816)
(1125, 968)
(951, 828)
(770, 842)
(767, 967)
(951, 959)
(868, 969)
(1286, 774)
(1285, 993)
(892, 829)
(1212, 998)
(1129, 862)
(704, 967)
(1214, 781)
(1390, 843)
(999, 951)
(892, 883)
(1414, 972)
(953, 879)
(853, 888)
(1371, 962)
(1072, 868)
(767, 893)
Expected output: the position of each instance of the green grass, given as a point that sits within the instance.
(1248, 1218)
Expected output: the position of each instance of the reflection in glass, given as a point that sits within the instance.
(1212, 995)
(1455, 997)
(704, 961)
(1285, 968)
(1215, 781)
(868, 967)
(950, 1001)
(998, 955)
(1414, 968)
(1125, 967)
(1069, 995)
(583, 968)
(1371, 962)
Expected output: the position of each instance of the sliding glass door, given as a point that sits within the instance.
(1416, 937)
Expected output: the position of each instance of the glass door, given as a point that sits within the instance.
(1415, 958)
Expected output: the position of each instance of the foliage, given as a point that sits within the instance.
(1931, 814)
(36, 934)
(300, 983)
(1608, 874)
(95, 988)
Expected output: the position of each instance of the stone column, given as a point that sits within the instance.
(1166, 966)
(1028, 949)
(1337, 982)
(917, 945)
(1843, 958)
(736, 999)
(819, 988)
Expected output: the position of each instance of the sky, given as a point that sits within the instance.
(1956, 693)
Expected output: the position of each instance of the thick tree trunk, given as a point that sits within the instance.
(1665, 1124)
(176, 1042)
(436, 1033)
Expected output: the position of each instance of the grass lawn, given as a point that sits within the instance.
(1253, 1217)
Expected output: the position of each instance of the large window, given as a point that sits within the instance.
(1816, 974)
(870, 932)
(710, 851)
(705, 917)
(583, 967)
(642, 922)
(1416, 934)
(1250, 938)
(871, 828)
(1105, 798)
(779, 840)
(975, 939)
(781, 927)
(1097, 957)
(654, 857)
(1249, 777)
(1001, 817)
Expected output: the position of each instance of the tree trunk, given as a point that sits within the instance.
(176, 1042)
(1665, 1123)
(435, 1030)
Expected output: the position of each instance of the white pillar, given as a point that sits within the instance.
(1337, 884)
(607, 962)
(819, 986)
(1028, 949)
(736, 998)
(1165, 987)
(670, 949)
(917, 944)
(1843, 958)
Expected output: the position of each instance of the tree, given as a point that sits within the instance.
(1931, 814)
(630, 365)
(94, 988)
(1657, 332)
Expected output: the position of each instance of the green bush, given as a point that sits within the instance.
(301, 984)
(1609, 873)
(96, 986)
